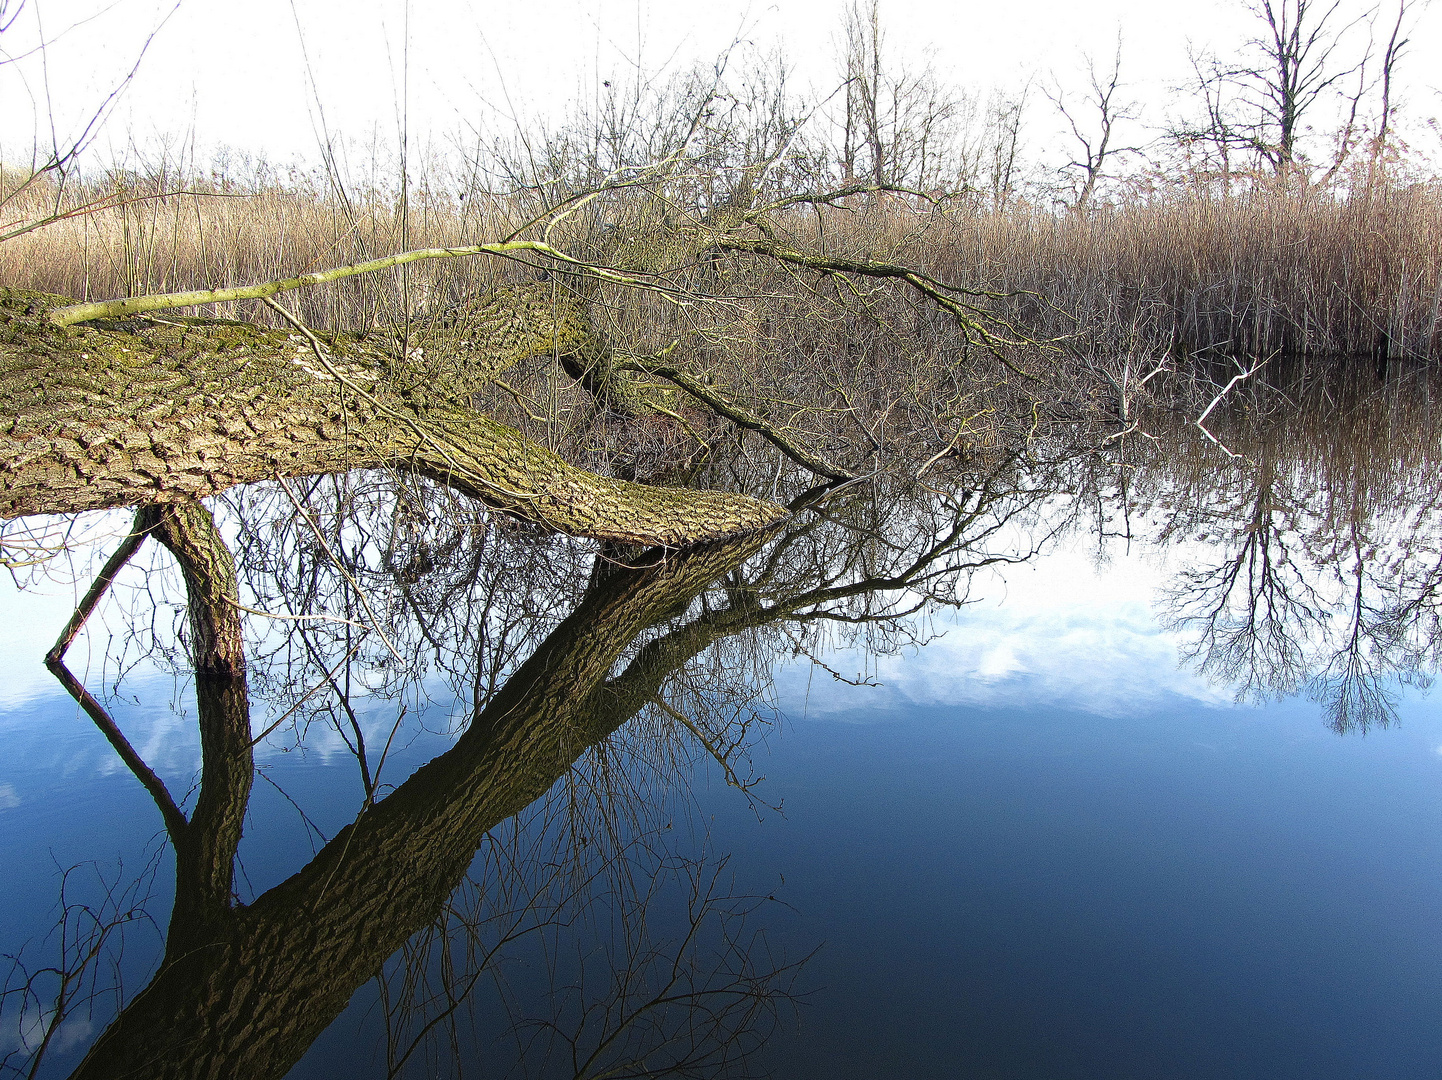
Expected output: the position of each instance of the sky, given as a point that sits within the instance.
(264, 76)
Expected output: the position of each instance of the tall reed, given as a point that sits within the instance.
(1187, 271)
(1263, 273)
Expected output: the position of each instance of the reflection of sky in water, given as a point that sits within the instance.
(50, 738)
(1058, 856)
(32, 621)
(1057, 630)
(154, 708)
(1042, 851)
(1041, 893)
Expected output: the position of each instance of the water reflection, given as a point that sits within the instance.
(261, 981)
(444, 607)
(534, 893)
(1313, 553)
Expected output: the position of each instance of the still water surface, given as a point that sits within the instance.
(777, 809)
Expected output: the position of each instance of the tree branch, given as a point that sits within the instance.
(175, 823)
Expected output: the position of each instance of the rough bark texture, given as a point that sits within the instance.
(249, 994)
(205, 849)
(147, 410)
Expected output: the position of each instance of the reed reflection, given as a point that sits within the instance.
(1311, 556)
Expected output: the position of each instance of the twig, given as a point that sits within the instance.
(744, 418)
(135, 305)
(175, 823)
(295, 618)
(328, 680)
(360, 593)
(705, 740)
(1200, 421)
(960, 431)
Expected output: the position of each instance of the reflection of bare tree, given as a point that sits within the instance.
(405, 606)
(262, 981)
(1352, 684)
(1248, 615)
(698, 679)
(43, 999)
(672, 978)
(1325, 528)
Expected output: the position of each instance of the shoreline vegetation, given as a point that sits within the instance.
(1152, 302)
(1274, 269)
(709, 272)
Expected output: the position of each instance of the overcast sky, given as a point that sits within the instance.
(236, 74)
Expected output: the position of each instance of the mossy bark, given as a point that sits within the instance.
(146, 410)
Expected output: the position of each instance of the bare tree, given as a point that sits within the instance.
(1257, 102)
(1095, 130)
(1396, 44)
(42, 193)
(899, 126)
(1003, 144)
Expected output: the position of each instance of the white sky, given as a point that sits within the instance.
(234, 73)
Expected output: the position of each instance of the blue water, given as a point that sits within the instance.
(1187, 892)
(1175, 888)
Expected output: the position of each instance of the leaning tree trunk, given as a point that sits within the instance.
(143, 410)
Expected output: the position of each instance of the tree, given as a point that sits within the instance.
(617, 234)
(898, 126)
(251, 985)
(112, 405)
(1096, 136)
(1391, 55)
(1258, 102)
(150, 411)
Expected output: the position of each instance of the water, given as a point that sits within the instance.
(1201, 893)
(1161, 798)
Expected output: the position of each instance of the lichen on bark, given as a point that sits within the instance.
(146, 409)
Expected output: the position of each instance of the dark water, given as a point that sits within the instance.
(781, 807)
(1039, 894)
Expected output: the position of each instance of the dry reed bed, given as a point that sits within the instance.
(866, 372)
(1256, 274)
(216, 238)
